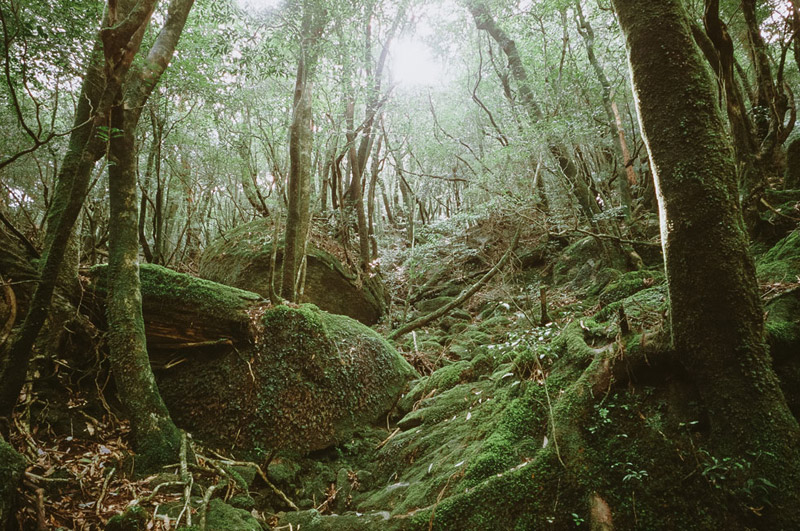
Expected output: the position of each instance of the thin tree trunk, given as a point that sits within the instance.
(300, 146)
(156, 438)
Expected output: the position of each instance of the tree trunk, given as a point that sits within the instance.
(156, 438)
(717, 317)
(300, 146)
(371, 204)
(626, 177)
(110, 61)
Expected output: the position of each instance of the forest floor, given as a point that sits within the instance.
(494, 410)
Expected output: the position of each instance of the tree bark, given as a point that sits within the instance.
(626, 177)
(716, 313)
(300, 146)
(156, 438)
(120, 37)
(299, 184)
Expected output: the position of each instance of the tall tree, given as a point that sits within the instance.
(120, 37)
(716, 312)
(156, 438)
(300, 146)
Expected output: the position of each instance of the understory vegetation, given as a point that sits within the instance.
(399, 264)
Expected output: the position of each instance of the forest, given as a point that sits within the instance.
(399, 265)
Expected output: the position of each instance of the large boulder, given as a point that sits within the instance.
(309, 380)
(242, 259)
(246, 376)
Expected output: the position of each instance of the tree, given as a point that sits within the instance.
(300, 146)
(156, 438)
(120, 37)
(716, 313)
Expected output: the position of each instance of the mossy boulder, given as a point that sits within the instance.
(242, 259)
(12, 465)
(220, 515)
(628, 284)
(132, 519)
(308, 380)
(578, 263)
(431, 305)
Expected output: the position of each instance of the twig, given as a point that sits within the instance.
(187, 480)
(103, 492)
(261, 474)
(41, 522)
(387, 439)
(204, 508)
(11, 302)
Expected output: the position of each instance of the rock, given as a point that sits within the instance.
(431, 305)
(309, 379)
(220, 515)
(577, 262)
(242, 259)
(268, 378)
(12, 466)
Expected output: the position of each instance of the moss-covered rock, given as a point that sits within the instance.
(307, 382)
(630, 283)
(12, 465)
(578, 262)
(133, 519)
(220, 515)
(430, 305)
(242, 259)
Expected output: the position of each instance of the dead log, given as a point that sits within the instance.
(183, 312)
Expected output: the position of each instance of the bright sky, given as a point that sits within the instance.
(257, 5)
(413, 63)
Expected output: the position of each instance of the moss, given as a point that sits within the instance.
(310, 379)
(165, 286)
(243, 257)
(575, 259)
(628, 284)
(782, 262)
(430, 305)
(12, 466)
(605, 276)
(644, 305)
(133, 519)
(220, 515)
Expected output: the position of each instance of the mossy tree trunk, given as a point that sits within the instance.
(114, 49)
(156, 438)
(716, 313)
(301, 143)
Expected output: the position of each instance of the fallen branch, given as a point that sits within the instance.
(261, 474)
(604, 237)
(204, 508)
(461, 299)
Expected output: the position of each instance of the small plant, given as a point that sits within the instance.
(631, 472)
(577, 519)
